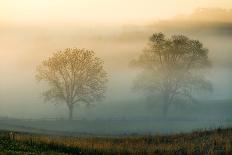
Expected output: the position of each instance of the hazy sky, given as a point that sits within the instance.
(47, 12)
(23, 48)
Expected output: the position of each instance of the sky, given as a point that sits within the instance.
(105, 12)
(23, 48)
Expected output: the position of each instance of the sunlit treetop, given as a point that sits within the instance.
(177, 52)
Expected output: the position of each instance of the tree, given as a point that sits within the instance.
(172, 70)
(73, 76)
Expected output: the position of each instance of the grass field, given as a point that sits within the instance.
(213, 142)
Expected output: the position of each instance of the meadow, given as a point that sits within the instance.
(205, 142)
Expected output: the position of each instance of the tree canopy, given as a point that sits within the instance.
(73, 76)
(172, 69)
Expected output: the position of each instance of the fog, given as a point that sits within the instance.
(123, 110)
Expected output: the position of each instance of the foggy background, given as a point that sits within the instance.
(24, 47)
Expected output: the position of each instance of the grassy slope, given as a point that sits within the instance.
(201, 142)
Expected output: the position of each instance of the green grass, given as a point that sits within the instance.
(213, 142)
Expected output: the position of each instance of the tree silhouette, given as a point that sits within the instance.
(172, 69)
(73, 76)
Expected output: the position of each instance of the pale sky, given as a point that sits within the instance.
(24, 12)
(22, 49)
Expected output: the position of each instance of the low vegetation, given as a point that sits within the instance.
(200, 142)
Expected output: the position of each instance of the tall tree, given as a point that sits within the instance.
(73, 76)
(172, 69)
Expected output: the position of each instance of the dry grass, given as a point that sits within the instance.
(197, 143)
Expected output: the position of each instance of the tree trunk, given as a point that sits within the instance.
(70, 108)
(165, 110)
(165, 105)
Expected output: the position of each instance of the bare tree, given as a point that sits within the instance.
(172, 69)
(73, 76)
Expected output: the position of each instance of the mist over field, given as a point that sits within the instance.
(123, 110)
